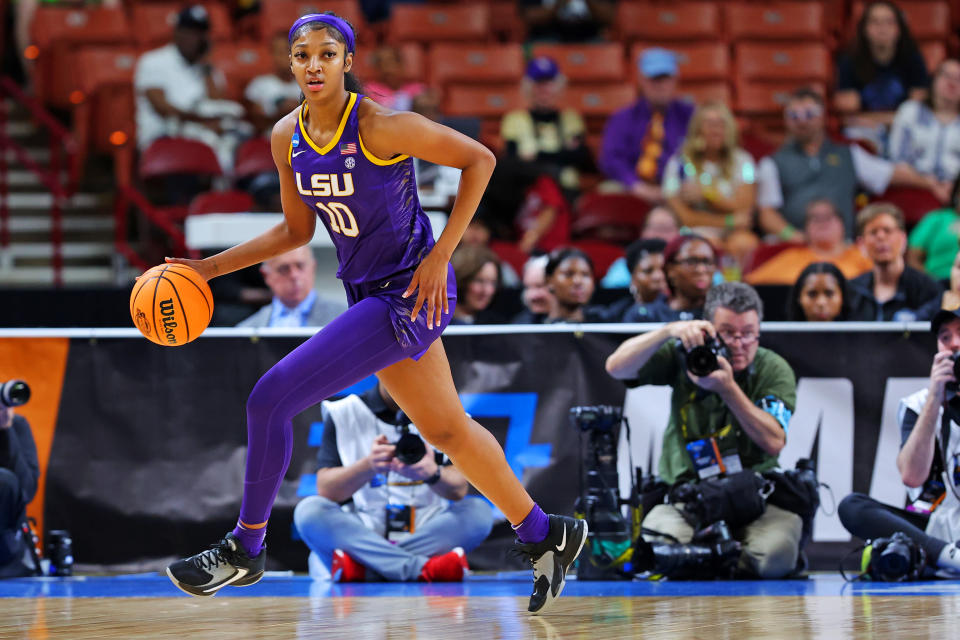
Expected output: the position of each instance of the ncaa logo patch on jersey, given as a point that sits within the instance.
(350, 162)
(295, 141)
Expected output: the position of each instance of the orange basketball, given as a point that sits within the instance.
(171, 304)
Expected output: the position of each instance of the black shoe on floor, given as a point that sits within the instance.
(551, 558)
(223, 564)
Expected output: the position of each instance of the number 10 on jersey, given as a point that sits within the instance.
(341, 218)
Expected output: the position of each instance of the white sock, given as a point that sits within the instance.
(950, 557)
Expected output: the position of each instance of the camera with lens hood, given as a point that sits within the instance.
(701, 360)
(410, 447)
(14, 393)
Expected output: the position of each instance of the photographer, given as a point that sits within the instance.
(928, 463)
(742, 408)
(19, 473)
(409, 519)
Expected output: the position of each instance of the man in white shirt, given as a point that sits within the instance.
(179, 92)
(275, 94)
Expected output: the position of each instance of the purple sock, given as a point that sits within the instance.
(534, 527)
(251, 539)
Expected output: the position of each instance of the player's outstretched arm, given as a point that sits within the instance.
(296, 229)
(387, 134)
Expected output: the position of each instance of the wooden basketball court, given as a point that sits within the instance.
(147, 606)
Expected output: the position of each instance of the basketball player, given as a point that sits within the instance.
(345, 159)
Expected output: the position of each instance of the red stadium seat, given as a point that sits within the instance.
(505, 21)
(781, 62)
(254, 157)
(768, 97)
(153, 22)
(934, 53)
(240, 62)
(696, 61)
(482, 101)
(611, 217)
(595, 62)
(475, 63)
(103, 118)
(276, 16)
(432, 23)
(233, 201)
(58, 33)
(411, 54)
(510, 253)
(915, 203)
(668, 22)
(775, 21)
(603, 254)
(178, 156)
(599, 100)
(700, 92)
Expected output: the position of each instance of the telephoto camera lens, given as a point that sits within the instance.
(410, 448)
(14, 393)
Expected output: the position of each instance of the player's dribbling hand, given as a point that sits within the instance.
(431, 279)
(200, 266)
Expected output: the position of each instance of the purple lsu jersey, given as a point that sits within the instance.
(369, 206)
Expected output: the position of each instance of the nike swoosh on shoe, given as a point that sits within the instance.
(236, 576)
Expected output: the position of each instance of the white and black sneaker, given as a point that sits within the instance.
(551, 558)
(223, 564)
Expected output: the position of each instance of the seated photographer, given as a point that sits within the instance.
(409, 519)
(741, 409)
(19, 473)
(930, 436)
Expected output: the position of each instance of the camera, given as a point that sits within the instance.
(410, 448)
(702, 359)
(952, 399)
(14, 393)
(607, 554)
(895, 559)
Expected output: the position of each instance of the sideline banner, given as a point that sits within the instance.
(148, 455)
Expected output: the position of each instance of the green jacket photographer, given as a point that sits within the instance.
(733, 416)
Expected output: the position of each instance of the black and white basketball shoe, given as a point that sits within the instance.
(223, 564)
(551, 558)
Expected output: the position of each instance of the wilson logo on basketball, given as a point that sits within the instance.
(169, 320)
(140, 319)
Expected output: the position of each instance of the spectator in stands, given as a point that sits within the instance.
(950, 298)
(179, 92)
(809, 165)
(19, 474)
(536, 296)
(639, 139)
(550, 138)
(882, 68)
(929, 446)
(290, 277)
(648, 280)
(819, 294)
(690, 264)
(408, 520)
(926, 133)
(932, 245)
(566, 20)
(389, 87)
(661, 222)
(710, 181)
(745, 406)
(825, 242)
(569, 273)
(891, 290)
(275, 94)
(477, 269)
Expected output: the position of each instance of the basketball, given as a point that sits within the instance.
(171, 304)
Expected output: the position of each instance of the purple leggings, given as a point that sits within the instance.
(372, 334)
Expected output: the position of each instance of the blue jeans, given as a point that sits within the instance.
(324, 526)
